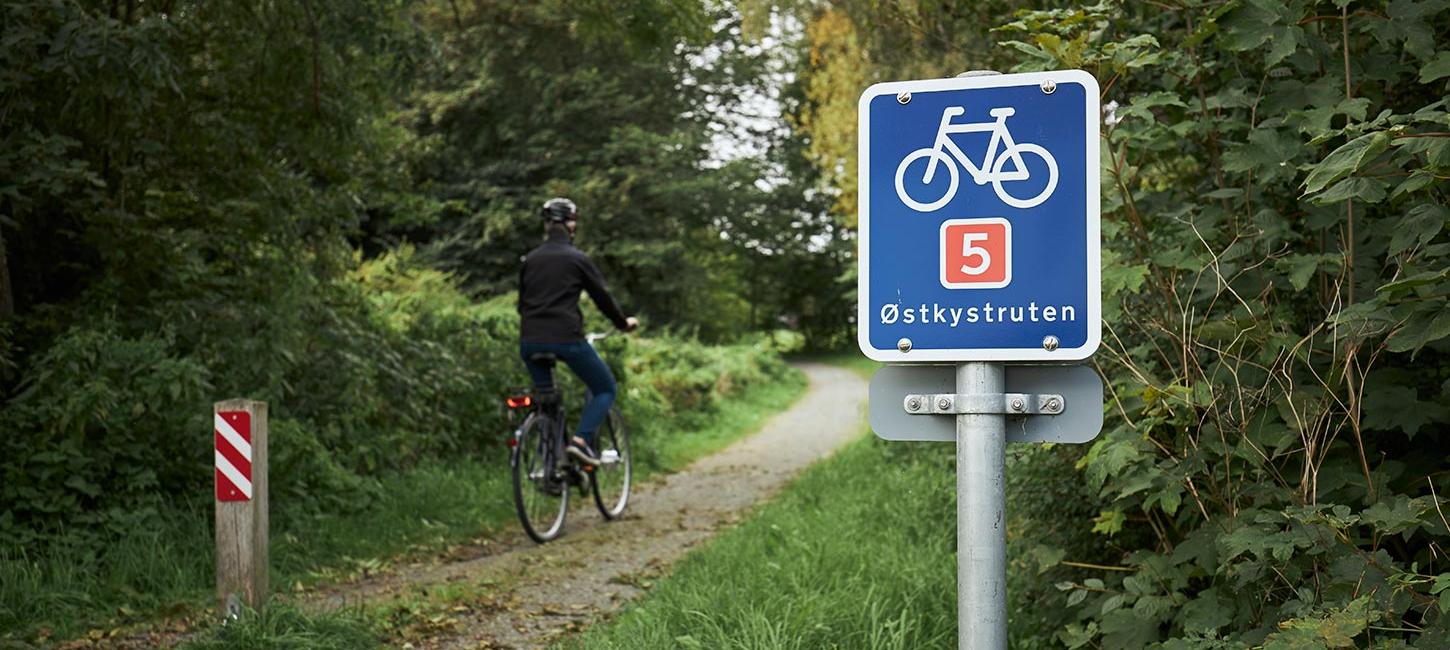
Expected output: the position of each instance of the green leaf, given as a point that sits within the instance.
(1420, 329)
(1109, 522)
(1077, 635)
(1227, 192)
(1126, 630)
(1442, 587)
(1301, 268)
(1401, 516)
(1409, 20)
(1419, 226)
(1270, 433)
(1358, 188)
(1387, 408)
(1123, 278)
(1336, 628)
(1345, 160)
(1436, 150)
(1257, 22)
(1418, 180)
(1047, 557)
(1286, 40)
(1416, 280)
(1268, 153)
(1205, 613)
(1436, 68)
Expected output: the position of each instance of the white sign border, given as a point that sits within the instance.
(1092, 111)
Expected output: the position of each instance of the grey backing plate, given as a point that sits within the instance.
(1080, 386)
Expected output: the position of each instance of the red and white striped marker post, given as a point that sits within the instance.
(240, 429)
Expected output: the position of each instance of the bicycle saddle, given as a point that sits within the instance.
(1005, 111)
(544, 358)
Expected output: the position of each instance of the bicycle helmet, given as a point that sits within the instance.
(559, 210)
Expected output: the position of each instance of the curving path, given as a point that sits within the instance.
(545, 592)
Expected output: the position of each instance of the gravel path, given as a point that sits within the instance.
(549, 591)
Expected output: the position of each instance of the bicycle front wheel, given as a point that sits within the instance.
(1015, 153)
(541, 496)
(611, 477)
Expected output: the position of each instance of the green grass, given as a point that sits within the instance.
(60, 592)
(693, 435)
(859, 552)
(847, 557)
(286, 627)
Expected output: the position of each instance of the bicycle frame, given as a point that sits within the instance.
(1000, 137)
(555, 416)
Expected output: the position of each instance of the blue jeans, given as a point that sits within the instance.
(586, 364)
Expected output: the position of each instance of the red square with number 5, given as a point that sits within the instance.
(976, 253)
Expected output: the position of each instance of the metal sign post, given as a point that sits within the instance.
(979, 200)
(981, 512)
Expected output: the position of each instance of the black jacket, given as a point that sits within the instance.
(550, 280)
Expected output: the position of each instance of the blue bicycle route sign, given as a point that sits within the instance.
(979, 215)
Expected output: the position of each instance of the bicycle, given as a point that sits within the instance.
(543, 475)
(938, 153)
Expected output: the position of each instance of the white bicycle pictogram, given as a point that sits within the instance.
(991, 169)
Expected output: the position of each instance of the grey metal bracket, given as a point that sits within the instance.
(1000, 404)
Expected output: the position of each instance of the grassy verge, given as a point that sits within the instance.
(60, 592)
(849, 556)
(674, 444)
(860, 552)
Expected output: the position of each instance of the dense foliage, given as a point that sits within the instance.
(322, 204)
(1276, 278)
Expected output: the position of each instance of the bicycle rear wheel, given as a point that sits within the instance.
(541, 497)
(611, 478)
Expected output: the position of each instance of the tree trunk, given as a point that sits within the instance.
(316, 59)
(457, 18)
(7, 298)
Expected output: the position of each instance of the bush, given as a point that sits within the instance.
(1274, 274)
(397, 366)
(98, 436)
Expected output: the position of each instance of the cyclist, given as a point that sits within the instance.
(550, 281)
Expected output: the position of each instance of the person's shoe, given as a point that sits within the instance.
(581, 452)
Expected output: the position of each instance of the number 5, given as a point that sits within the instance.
(968, 250)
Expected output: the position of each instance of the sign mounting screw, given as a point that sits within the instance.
(913, 404)
(1049, 87)
(943, 403)
(1052, 405)
(904, 345)
(1049, 343)
(1017, 404)
(903, 98)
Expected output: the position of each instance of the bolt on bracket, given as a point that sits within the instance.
(988, 404)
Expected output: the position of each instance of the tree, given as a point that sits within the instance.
(1275, 248)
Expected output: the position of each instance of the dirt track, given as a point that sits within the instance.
(547, 591)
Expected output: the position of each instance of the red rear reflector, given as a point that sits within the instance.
(523, 401)
(513, 442)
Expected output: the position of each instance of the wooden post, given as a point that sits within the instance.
(240, 431)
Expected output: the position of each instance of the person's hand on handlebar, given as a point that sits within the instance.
(631, 324)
